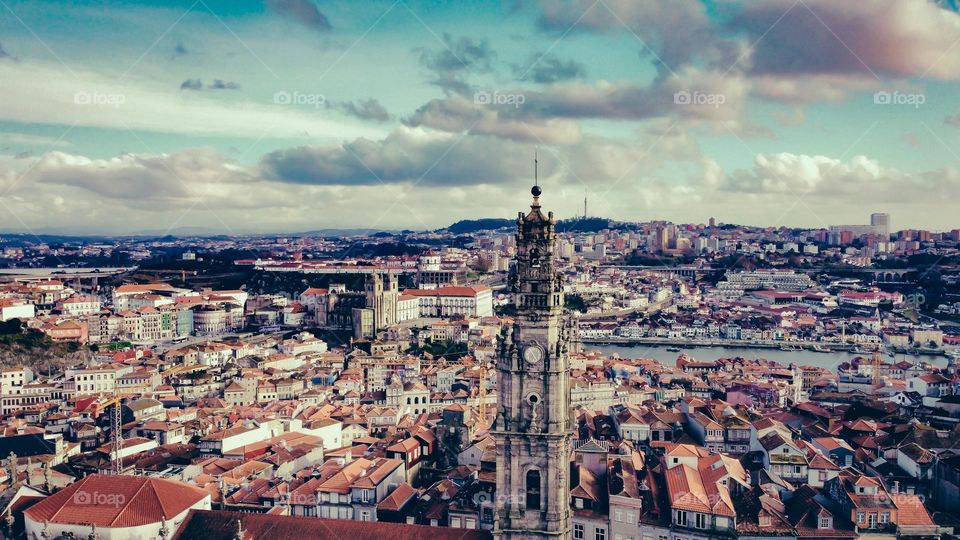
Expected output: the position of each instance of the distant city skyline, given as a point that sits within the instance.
(290, 116)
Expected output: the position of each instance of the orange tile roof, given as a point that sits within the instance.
(138, 501)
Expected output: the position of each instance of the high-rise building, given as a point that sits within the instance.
(881, 222)
(534, 420)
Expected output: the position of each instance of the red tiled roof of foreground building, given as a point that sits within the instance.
(221, 525)
(140, 501)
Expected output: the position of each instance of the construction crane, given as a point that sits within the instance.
(875, 362)
(482, 394)
(117, 434)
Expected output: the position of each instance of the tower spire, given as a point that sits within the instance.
(535, 190)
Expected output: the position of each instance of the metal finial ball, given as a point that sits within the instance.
(536, 191)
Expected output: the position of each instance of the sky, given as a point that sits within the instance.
(243, 116)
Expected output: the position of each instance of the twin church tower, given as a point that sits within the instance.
(534, 419)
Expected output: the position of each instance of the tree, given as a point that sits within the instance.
(11, 326)
(575, 302)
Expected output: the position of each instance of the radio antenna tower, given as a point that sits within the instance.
(536, 180)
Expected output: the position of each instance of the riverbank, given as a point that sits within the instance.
(829, 360)
(752, 344)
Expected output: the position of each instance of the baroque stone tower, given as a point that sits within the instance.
(534, 419)
(381, 296)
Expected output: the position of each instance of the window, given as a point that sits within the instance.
(455, 522)
(470, 523)
(885, 517)
(533, 490)
(680, 518)
(859, 517)
(578, 531)
(825, 523)
(701, 521)
(618, 515)
(601, 534)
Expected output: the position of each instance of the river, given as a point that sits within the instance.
(828, 360)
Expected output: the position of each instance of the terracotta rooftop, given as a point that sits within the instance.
(220, 525)
(139, 501)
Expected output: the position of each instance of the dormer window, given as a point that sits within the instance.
(825, 523)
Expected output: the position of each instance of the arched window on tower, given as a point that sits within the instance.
(533, 490)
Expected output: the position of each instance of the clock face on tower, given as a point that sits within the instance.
(533, 354)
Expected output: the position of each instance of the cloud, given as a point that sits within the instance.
(801, 89)
(838, 181)
(462, 54)
(457, 59)
(219, 84)
(304, 12)
(46, 94)
(551, 115)
(191, 84)
(457, 113)
(712, 96)
(364, 109)
(675, 31)
(897, 38)
(549, 68)
(168, 179)
(405, 155)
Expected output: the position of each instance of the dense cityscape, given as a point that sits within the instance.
(516, 273)
(284, 377)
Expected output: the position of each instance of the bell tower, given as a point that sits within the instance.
(534, 420)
